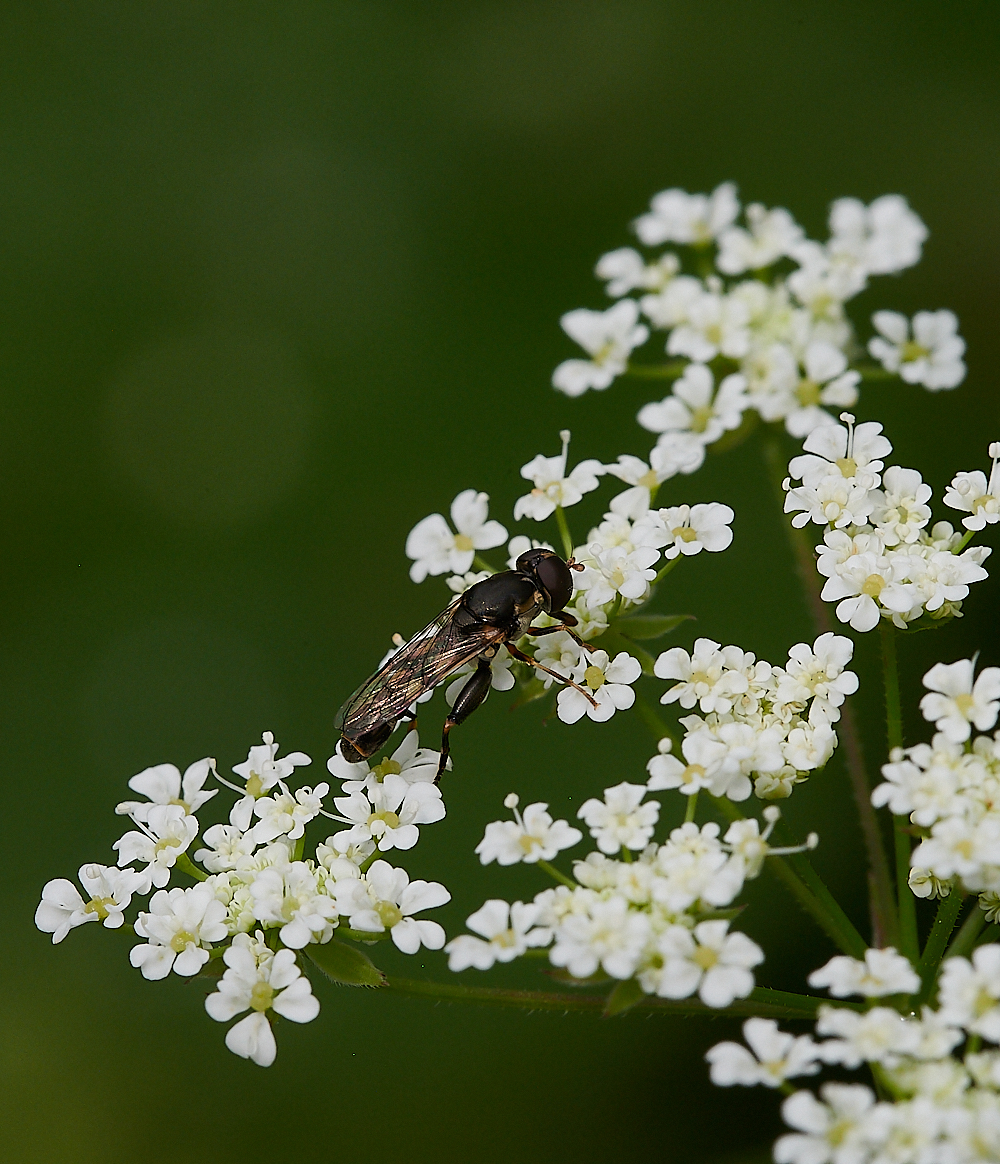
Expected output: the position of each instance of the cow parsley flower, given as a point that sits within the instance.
(258, 980)
(385, 898)
(771, 235)
(163, 784)
(695, 409)
(882, 972)
(533, 836)
(260, 771)
(884, 237)
(110, 893)
(773, 1057)
(818, 673)
(165, 834)
(434, 549)
(287, 813)
(932, 356)
(180, 926)
(609, 337)
(954, 702)
(609, 682)
(975, 495)
(847, 451)
(715, 324)
(621, 820)
(617, 570)
(688, 529)
(605, 935)
(708, 960)
(416, 765)
(506, 932)
(678, 217)
(969, 992)
(389, 812)
(626, 270)
(644, 480)
(552, 487)
(830, 1131)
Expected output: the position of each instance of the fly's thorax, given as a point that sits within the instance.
(509, 600)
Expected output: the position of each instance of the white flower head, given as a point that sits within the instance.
(715, 324)
(180, 927)
(955, 702)
(609, 682)
(846, 451)
(531, 836)
(552, 486)
(389, 812)
(260, 771)
(608, 337)
(975, 495)
(931, 356)
(259, 981)
(287, 813)
(708, 960)
(621, 820)
(506, 932)
(678, 217)
(969, 992)
(643, 478)
(901, 510)
(109, 893)
(290, 895)
(626, 270)
(695, 410)
(884, 237)
(228, 848)
(772, 1058)
(617, 570)
(163, 784)
(416, 765)
(385, 898)
(599, 934)
(882, 972)
(829, 1132)
(818, 673)
(771, 235)
(688, 529)
(826, 382)
(865, 586)
(434, 549)
(165, 834)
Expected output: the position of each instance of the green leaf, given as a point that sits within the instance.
(650, 626)
(346, 964)
(624, 996)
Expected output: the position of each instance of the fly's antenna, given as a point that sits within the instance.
(575, 565)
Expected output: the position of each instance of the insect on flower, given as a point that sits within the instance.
(493, 613)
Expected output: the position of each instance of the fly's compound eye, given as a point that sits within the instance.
(556, 580)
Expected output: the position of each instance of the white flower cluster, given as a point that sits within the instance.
(940, 1089)
(878, 556)
(950, 788)
(653, 918)
(262, 903)
(762, 728)
(778, 337)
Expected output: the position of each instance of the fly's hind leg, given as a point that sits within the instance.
(469, 698)
(548, 671)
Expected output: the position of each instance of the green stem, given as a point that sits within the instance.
(665, 570)
(692, 806)
(907, 903)
(658, 726)
(186, 865)
(972, 927)
(670, 371)
(964, 542)
(343, 931)
(556, 875)
(874, 372)
(761, 1002)
(944, 924)
(880, 887)
(801, 879)
(564, 533)
(480, 562)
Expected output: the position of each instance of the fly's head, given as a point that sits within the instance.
(552, 576)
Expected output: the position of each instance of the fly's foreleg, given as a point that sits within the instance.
(469, 698)
(568, 621)
(548, 671)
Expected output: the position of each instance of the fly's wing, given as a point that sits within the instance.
(430, 656)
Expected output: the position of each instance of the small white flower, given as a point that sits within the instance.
(866, 585)
(609, 337)
(163, 784)
(881, 1035)
(846, 451)
(166, 833)
(818, 673)
(389, 812)
(831, 1132)
(110, 893)
(772, 234)
(289, 895)
(932, 357)
(434, 549)
(626, 270)
(709, 960)
(416, 765)
(533, 836)
(259, 981)
(884, 237)
(507, 929)
(608, 680)
(385, 898)
(714, 677)
(695, 409)
(688, 529)
(616, 570)
(901, 510)
(882, 972)
(715, 324)
(704, 756)
(635, 502)
(969, 992)
(827, 381)
(773, 1057)
(678, 217)
(603, 934)
(228, 848)
(287, 813)
(552, 486)
(620, 820)
(260, 771)
(954, 702)
(181, 926)
(980, 498)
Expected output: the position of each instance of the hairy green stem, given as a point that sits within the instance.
(564, 533)
(880, 887)
(761, 1002)
(972, 927)
(670, 371)
(907, 903)
(944, 924)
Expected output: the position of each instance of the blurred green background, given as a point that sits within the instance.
(276, 281)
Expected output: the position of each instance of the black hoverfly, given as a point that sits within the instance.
(493, 613)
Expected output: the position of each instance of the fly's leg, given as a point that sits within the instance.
(568, 621)
(548, 671)
(469, 698)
